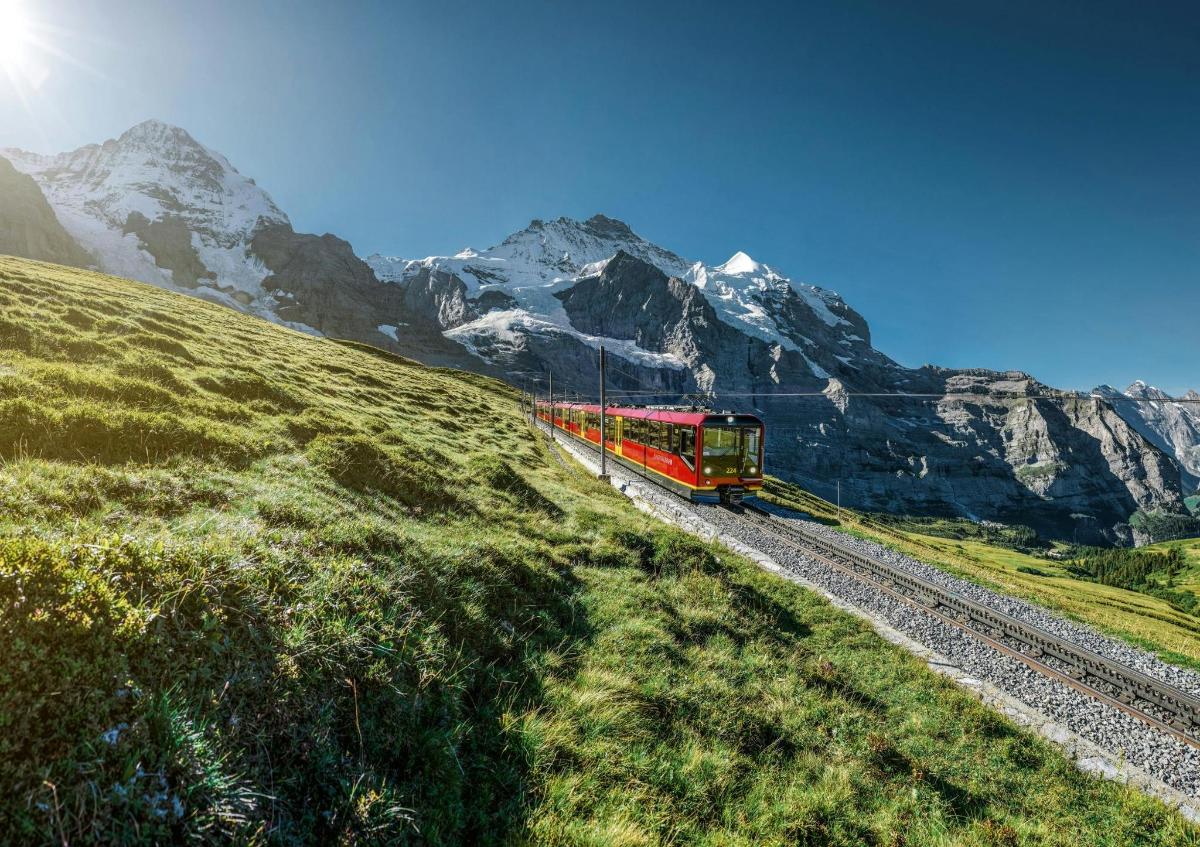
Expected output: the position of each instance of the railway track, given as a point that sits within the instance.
(1162, 706)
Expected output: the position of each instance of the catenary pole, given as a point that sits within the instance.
(603, 415)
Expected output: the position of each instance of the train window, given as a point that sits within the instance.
(611, 431)
(687, 445)
(752, 445)
(720, 441)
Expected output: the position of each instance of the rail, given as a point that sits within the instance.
(1152, 700)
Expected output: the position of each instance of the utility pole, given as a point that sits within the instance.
(551, 404)
(839, 501)
(603, 427)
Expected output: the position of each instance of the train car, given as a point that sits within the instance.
(700, 455)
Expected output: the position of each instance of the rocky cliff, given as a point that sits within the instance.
(1174, 427)
(29, 227)
(974, 443)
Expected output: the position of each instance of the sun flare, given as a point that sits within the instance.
(14, 35)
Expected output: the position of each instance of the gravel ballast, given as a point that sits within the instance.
(1100, 738)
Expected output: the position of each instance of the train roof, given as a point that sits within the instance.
(667, 415)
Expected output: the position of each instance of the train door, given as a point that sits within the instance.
(686, 445)
(612, 432)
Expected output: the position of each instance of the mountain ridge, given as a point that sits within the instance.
(156, 205)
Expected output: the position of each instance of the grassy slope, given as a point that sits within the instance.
(258, 586)
(1137, 618)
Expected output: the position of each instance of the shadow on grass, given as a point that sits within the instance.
(356, 702)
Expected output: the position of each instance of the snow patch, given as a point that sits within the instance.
(505, 332)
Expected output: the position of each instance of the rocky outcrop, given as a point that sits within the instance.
(318, 281)
(1173, 427)
(632, 300)
(29, 227)
(492, 301)
(169, 241)
(438, 297)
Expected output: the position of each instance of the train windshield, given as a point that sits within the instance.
(731, 450)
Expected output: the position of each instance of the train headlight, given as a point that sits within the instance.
(753, 469)
(730, 419)
(707, 471)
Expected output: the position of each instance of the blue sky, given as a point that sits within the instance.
(1004, 185)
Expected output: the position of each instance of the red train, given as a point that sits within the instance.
(700, 455)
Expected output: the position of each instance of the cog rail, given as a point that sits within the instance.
(1151, 700)
(1154, 702)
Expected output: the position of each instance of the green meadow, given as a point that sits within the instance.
(258, 587)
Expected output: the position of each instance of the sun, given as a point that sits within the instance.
(14, 35)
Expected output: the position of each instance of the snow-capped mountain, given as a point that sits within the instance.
(1174, 427)
(529, 271)
(547, 296)
(158, 206)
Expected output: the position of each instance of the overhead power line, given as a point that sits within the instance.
(903, 395)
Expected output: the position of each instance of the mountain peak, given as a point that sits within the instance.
(1145, 391)
(156, 132)
(606, 227)
(739, 263)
